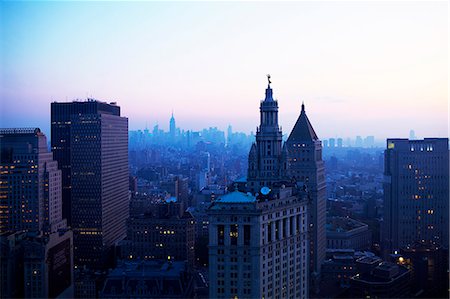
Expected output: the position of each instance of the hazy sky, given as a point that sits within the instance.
(362, 68)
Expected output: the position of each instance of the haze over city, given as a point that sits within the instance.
(361, 68)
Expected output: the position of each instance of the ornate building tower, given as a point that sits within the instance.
(265, 161)
(305, 164)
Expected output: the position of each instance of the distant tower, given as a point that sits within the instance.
(416, 193)
(172, 128)
(306, 165)
(265, 159)
(412, 135)
(229, 134)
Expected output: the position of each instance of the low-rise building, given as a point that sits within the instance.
(347, 233)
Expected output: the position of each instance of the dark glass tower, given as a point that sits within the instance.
(416, 193)
(90, 143)
(305, 164)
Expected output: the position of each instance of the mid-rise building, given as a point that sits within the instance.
(160, 231)
(258, 245)
(90, 143)
(347, 233)
(149, 279)
(416, 193)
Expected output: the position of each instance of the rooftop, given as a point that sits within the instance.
(236, 197)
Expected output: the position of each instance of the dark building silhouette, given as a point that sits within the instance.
(36, 247)
(266, 160)
(149, 279)
(305, 164)
(160, 230)
(429, 264)
(385, 280)
(90, 143)
(416, 193)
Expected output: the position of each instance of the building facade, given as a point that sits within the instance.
(416, 193)
(305, 164)
(347, 233)
(258, 246)
(30, 183)
(36, 246)
(160, 231)
(259, 241)
(90, 142)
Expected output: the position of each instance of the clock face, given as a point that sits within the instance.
(265, 190)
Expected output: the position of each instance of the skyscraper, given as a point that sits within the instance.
(258, 241)
(30, 183)
(416, 193)
(90, 141)
(36, 247)
(305, 164)
(172, 128)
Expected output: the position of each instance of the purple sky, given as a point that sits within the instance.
(362, 68)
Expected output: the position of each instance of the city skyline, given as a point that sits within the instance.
(377, 78)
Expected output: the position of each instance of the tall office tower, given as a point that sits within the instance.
(36, 247)
(90, 141)
(416, 193)
(258, 241)
(172, 128)
(306, 165)
(30, 183)
(339, 142)
(267, 157)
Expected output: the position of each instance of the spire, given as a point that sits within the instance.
(303, 130)
(268, 90)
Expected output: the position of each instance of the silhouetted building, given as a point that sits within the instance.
(332, 142)
(36, 247)
(160, 231)
(305, 164)
(386, 280)
(90, 143)
(429, 265)
(347, 233)
(30, 183)
(266, 160)
(149, 279)
(416, 193)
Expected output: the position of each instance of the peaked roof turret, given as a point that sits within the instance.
(303, 130)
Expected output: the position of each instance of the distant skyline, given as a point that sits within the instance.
(362, 68)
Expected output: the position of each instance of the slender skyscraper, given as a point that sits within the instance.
(416, 193)
(305, 164)
(90, 141)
